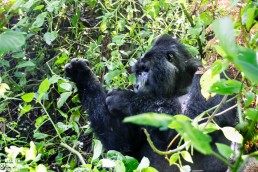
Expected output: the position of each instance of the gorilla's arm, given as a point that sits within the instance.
(114, 134)
(122, 103)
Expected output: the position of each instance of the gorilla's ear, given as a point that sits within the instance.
(192, 65)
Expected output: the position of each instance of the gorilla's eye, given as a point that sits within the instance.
(170, 57)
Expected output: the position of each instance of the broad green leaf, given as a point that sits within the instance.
(252, 114)
(173, 158)
(232, 134)
(206, 81)
(11, 40)
(143, 164)
(26, 64)
(115, 155)
(31, 153)
(247, 62)
(75, 19)
(193, 50)
(250, 18)
(249, 97)
(39, 20)
(97, 149)
(225, 150)
(226, 87)
(131, 163)
(49, 37)
(224, 32)
(209, 128)
(186, 155)
(218, 67)
(150, 119)
(44, 86)
(39, 135)
(40, 120)
(28, 97)
(62, 99)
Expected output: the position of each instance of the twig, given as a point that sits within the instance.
(153, 147)
(74, 152)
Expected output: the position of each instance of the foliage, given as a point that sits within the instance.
(40, 109)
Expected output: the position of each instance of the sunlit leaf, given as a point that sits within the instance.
(31, 153)
(206, 81)
(28, 97)
(232, 134)
(218, 67)
(62, 99)
(143, 164)
(186, 155)
(97, 150)
(173, 158)
(40, 120)
(49, 37)
(249, 97)
(151, 119)
(44, 86)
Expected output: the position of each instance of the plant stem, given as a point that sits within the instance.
(153, 147)
(74, 152)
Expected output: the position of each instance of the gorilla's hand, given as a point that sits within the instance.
(119, 102)
(79, 72)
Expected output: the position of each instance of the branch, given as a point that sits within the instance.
(153, 147)
(74, 152)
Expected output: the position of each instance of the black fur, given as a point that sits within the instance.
(163, 74)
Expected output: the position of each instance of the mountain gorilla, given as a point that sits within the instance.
(165, 83)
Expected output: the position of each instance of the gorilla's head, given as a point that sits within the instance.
(166, 69)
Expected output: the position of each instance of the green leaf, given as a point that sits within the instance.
(62, 127)
(11, 40)
(225, 150)
(49, 37)
(28, 97)
(209, 128)
(149, 169)
(40, 136)
(52, 5)
(250, 18)
(193, 50)
(150, 119)
(131, 163)
(173, 158)
(186, 155)
(97, 150)
(25, 109)
(44, 86)
(206, 81)
(199, 140)
(247, 62)
(218, 67)
(26, 64)
(226, 87)
(249, 97)
(66, 86)
(232, 134)
(41, 168)
(252, 114)
(75, 19)
(62, 99)
(40, 120)
(119, 166)
(224, 32)
(39, 20)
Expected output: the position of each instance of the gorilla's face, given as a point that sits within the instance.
(165, 70)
